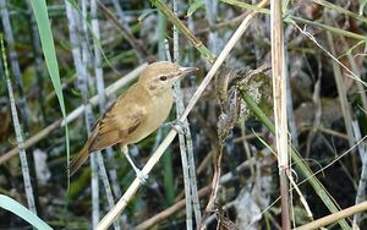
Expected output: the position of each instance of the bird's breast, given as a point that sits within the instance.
(158, 110)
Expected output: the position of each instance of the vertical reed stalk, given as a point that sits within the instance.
(183, 154)
(81, 70)
(13, 58)
(98, 70)
(280, 105)
(341, 92)
(361, 191)
(22, 103)
(168, 178)
(191, 158)
(214, 42)
(18, 134)
(181, 137)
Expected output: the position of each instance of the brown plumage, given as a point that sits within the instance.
(137, 113)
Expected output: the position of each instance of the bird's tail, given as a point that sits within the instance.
(82, 156)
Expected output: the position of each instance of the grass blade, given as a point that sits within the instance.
(48, 47)
(13, 206)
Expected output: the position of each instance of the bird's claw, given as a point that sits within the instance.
(178, 126)
(141, 176)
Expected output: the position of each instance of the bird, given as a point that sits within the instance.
(135, 114)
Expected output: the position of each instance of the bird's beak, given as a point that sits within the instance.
(187, 70)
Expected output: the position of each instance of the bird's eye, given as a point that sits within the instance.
(163, 78)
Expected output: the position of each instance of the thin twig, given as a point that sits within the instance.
(334, 217)
(313, 39)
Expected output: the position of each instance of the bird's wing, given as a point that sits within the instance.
(117, 123)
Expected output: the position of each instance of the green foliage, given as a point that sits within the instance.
(48, 47)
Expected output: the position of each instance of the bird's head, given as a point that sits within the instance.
(160, 76)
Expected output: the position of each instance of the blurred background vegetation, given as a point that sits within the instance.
(99, 42)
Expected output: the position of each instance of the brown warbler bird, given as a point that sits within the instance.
(135, 114)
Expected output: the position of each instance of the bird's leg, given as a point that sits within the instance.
(139, 173)
(178, 126)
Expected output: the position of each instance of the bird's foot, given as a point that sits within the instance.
(178, 126)
(141, 176)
